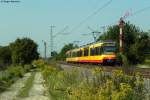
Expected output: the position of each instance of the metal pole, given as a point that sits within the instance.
(44, 49)
(51, 40)
(103, 28)
(94, 36)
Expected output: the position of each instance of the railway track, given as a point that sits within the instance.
(144, 71)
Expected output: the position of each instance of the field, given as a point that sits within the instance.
(77, 84)
(55, 82)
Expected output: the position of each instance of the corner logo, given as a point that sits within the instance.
(10, 1)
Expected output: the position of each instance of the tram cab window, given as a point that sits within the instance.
(109, 49)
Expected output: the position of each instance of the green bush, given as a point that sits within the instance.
(27, 67)
(16, 71)
(119, 59)
(39, 63)
(11, 74)
(125, 93)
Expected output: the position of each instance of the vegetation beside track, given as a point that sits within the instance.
(76, 85)
(147, 62)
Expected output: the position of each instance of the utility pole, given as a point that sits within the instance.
(103, 28)
(121, 36)
(51, 39)
(44, 49)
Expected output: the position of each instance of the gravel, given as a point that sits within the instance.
(38, 91)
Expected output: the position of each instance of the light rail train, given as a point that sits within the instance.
(102, 52)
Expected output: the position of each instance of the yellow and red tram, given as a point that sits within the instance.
(99, 52)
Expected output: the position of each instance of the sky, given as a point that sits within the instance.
(33, 18)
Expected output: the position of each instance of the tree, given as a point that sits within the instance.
(62, 54)
(136, 41)
(24, 51)
(5, 56)
(54, 53)
(138, 50)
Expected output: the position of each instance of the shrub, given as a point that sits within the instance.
(16, 71)
(11, 74)
(27, 67)
(119, 59)
(125, 93)
(39, 63)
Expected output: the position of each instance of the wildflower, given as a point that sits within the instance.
(96, 70)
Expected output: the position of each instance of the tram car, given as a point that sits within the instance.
(98, 53)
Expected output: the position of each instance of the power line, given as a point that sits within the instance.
(141, 10)
(52, 37)
(94, 13)
(95, 33)
(130, 14)
(61, 32)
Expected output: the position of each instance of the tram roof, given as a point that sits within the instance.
(95, 44)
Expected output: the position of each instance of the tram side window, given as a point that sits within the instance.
(74, 54)
(67, 55)
(97, 51)
(86, 52)
(70, 54)
(92, 52)
(80, 53)
(101, 50)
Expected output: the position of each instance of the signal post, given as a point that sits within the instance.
(121, 35)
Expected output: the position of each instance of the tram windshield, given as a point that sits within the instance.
(109, 49)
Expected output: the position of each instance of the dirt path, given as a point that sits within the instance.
(13, 91)
(38, 91)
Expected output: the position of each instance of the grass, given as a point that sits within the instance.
(63, 85)
(147, 62)
(9, 76)
(24, 92)
(75, 85)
